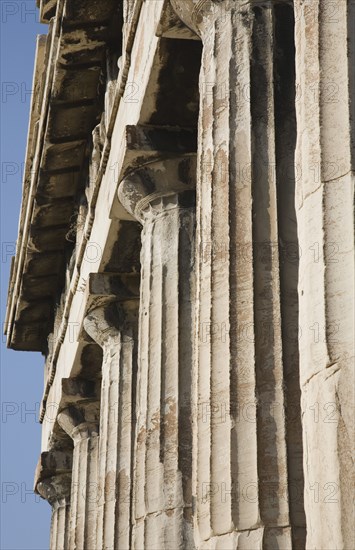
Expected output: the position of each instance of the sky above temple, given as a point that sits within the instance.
(25, 518)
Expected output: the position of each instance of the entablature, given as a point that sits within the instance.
(69, 86)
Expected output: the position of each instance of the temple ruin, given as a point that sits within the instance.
(185, 264)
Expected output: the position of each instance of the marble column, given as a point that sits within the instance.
(56, 490)
(161, 196)
(248, 453)
(325, 56)
(113, 327)
(80, 422)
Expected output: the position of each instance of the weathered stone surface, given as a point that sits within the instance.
(53, 483)
(185, 263)
(114, 328)
(162, 499)
(57, 491)
(239, 309)
(69, 114)
(326, 292)
(82, 426)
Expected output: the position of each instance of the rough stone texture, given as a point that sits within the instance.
(80, 423)
(185, 263)
(53, 483)
(325, 67)
(239, 285)
(115, 331)
(57, 491)
(64, 111)
(163, 456)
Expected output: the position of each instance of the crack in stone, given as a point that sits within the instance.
(351, 172)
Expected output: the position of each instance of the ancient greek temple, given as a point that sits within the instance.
(185, 265)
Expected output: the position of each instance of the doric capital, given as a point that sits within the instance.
(80, 422)
(53, 477)
(55, 489)
(103, 323)
(115, 294)
(85, 430)
(111, 320)
(198, 14)
(159, 186)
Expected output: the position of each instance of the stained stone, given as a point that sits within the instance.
(185, 263)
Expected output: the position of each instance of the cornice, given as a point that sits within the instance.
(63, 114)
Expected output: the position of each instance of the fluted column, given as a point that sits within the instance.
(325, 157)
(56, 490)
(81, 424)
(113, 327)
(248, 456)
(161, 197)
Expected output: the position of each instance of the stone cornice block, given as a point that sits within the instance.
(54, 461)
(77, 391)
(153, 139)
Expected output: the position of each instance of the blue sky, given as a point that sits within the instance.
(25, 519)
